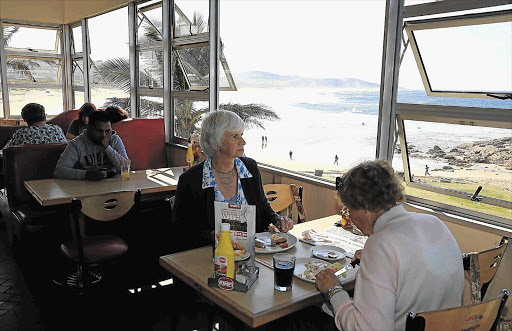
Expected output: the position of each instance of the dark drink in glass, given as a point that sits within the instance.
(284, 264)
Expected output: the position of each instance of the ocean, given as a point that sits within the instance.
(316, 124)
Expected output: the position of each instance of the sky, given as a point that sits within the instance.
(322, 38)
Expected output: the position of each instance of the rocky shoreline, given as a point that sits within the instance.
(495, 152)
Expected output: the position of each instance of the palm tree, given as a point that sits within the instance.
(116, 72)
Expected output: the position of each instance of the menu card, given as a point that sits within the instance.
(335, 236)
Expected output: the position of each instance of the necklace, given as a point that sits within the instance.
(226, 178)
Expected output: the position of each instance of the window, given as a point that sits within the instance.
(454, 113)
(34, 68)
(317, 69)
(109, 65)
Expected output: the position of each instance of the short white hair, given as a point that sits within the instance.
(213, 127)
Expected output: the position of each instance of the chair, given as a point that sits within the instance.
(481, 267)
(283, 196)
(477, 316)
(86, 251)
(144, 140)
(64, 119)
(22, 163)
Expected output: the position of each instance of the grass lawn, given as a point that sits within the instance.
(488, 191)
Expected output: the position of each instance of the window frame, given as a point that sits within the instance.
(446, 22)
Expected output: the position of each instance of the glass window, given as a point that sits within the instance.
(464, 55)
(459, 158)
(195, 64)
(78, 73)
(150, 25)
(187, 116)
(76, 39)
(109, 58)
(309, 92)
(31, 38)
(151, 69)
(151, 107)
(191, 17)
(32, 70)
(49, 97)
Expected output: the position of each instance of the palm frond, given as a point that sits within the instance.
(116, 73)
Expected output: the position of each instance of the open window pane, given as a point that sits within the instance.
(468, 58)
(31, 38)
(150, 27)
(195, 62)
(29, 70)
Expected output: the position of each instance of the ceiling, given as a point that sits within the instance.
(55, 11)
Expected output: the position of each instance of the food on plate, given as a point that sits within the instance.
(259, 243)
(284, 245)
(332, 255)
(276, 239)
(314, 267)
(272, 228)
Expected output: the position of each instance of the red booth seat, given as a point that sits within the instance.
(144, 140)
(64, 119)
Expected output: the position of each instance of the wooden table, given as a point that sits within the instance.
(261, 304)
(54, 191)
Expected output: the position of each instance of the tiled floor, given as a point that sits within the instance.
(17, 308)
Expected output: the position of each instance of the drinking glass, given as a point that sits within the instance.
(284, 264)
(125, 169)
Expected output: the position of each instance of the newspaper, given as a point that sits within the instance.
(335, 236)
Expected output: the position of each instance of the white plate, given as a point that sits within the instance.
(300, 267)
(242, 257)
(322, 252)
(265, 236)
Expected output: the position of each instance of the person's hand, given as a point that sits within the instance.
(106, 140)
(285, 224)
(95, 174)
(357, 255)
(325, 279)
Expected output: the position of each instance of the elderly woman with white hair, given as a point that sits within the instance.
(225, 176)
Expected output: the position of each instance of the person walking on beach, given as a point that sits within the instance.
(291, 154)
(336, 159)
(426, 170)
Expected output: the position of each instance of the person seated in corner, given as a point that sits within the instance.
(98, 151)
(116, 114)
(37, 131)
(225, 176)
(410, 262)
(79, 124)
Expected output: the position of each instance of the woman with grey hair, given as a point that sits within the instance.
(410, 262)
(225, 176)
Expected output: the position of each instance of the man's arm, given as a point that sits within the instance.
(115, 151)
(67, 161)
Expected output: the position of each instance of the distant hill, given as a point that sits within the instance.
(268, 79)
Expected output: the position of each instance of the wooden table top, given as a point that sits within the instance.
(54, 191)
(261, 304)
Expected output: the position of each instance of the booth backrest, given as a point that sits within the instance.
(144, 140)
(6, 132)
(64, 119)
(28, 162)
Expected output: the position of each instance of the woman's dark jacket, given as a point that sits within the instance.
(193, 213)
